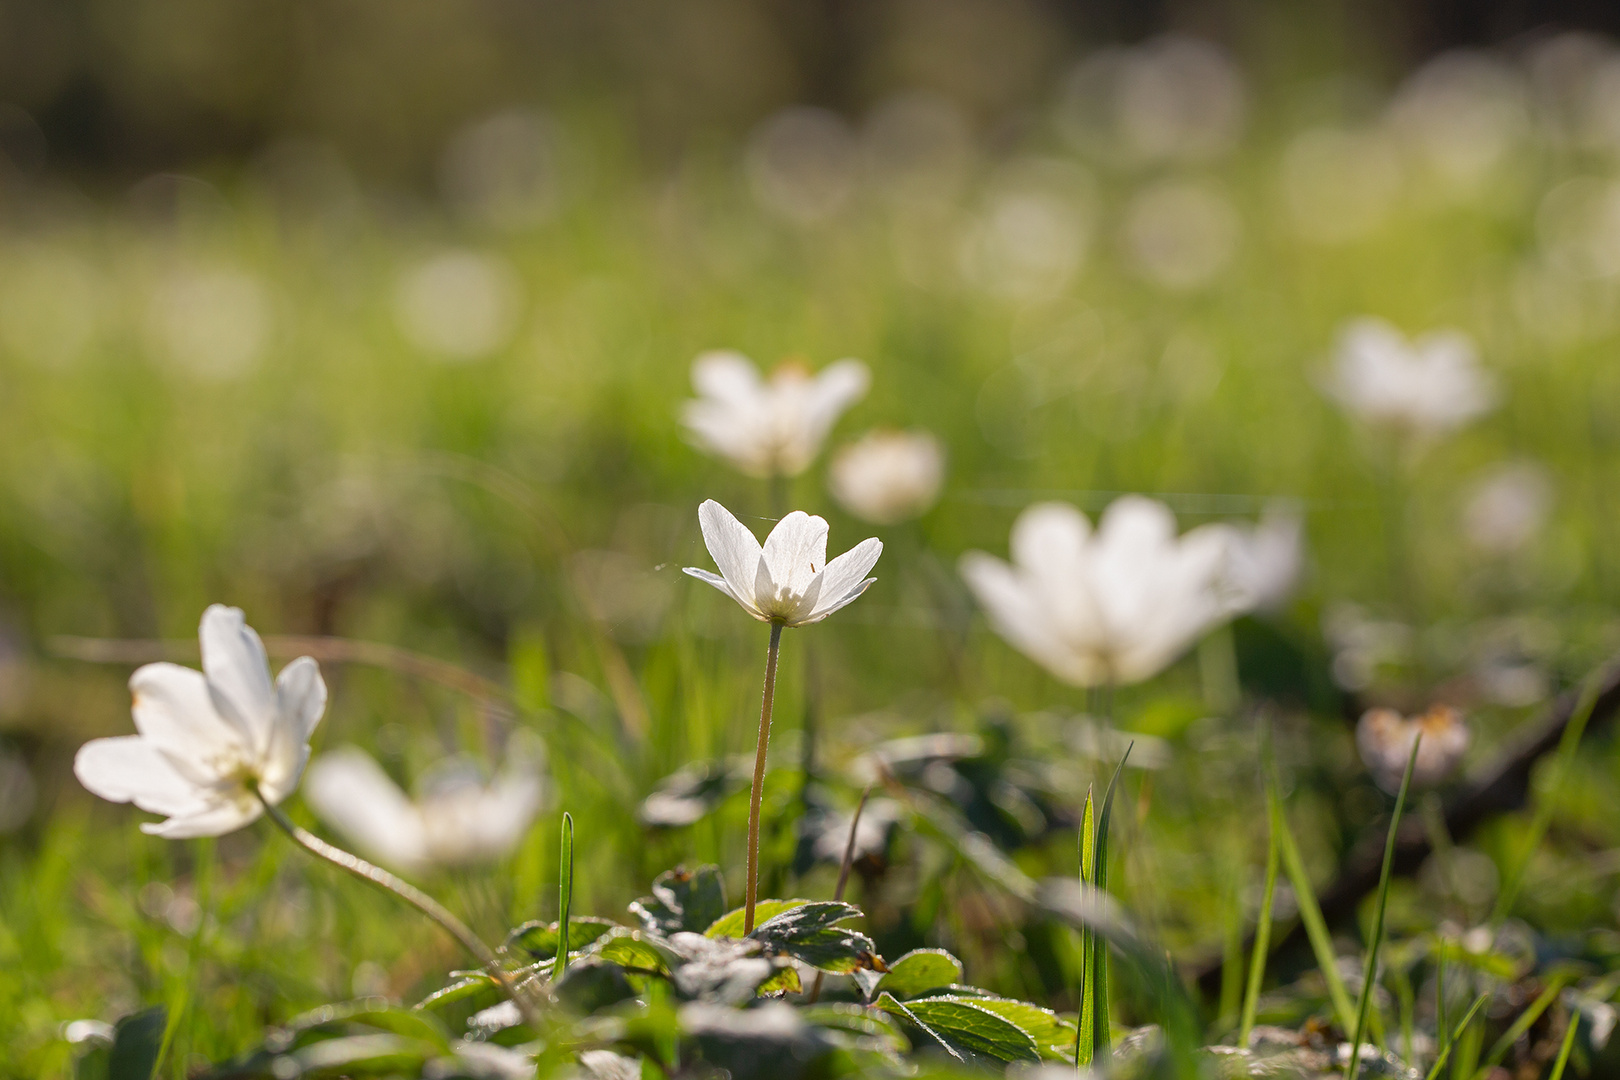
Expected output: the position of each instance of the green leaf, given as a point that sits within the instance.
(137, 1041)
(361, 1055)
(809, 933)
(731, 923)
(920, 971)
(565, 891)
(690, 900)
(592, 985)
(963, 1023)
(1053, 1035)
(633, 950)
(538, 940)
(785, 981)
(470, 990)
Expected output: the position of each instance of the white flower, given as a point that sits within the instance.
(789, 580)
(888, 476)
(770, 428)
(457, 820)
(1508, 508)
(1112, 606)
(1385, 739)
(209, 738)
(1264, 562)
(1430, 385)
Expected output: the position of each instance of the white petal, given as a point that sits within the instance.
(216, 820)
(820, 610)
(842, 580)
(172, 708)
(720, 583)
(238, 673)
(836, 388)
(353, 795)
(812, 409)
(727, 376)
(735, 551)
(1055, 552)
(1018, 614)
(300, 702)
(794, 553)
(131, 769)
(737, 435)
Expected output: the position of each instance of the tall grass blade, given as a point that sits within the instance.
(1309, 912)
(565, 892)
(1370, 973)
(1568, 744)
(1521, 1025)
(1088, 1005)
(1099, 946)
(1451, 1037)
(1563, 1051)
(1441, 1032)
(1262, 941)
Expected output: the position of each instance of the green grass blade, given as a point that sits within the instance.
(1440, 1030)
(565, 892)
(1521, 1025)
(1309, 912)
(1568, 744)
(1370, 972)
(1262, 941)
(1451, 1037)
(1099, 946)
(1563, 1051)
(1087, 1018)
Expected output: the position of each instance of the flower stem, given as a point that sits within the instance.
(759, 777)
(413, 896)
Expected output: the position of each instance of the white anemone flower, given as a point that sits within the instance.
(789, 580)
(1431, 385)
(888, 476)
(214, 742)
(1385, 737)
(768, 428)
(1110, 606)
(1264, 561)
(457, 820)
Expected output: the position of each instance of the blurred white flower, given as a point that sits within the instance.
(51, 306)
(459, 305)
(1339, 185)
(1578, 226)
(789, 580)
(456, 820)
(1508, 508)
(802, 164)
(1430, 385)
(1180, 234)
(17, 792)
(1384, 737)
(888, 476)
(212, 321)
(1461, 115)
(1178, 98)
(1264, 561)
(209, 739)
(1112, 606)
(773, 428)
(503, 171)
(1030, 237)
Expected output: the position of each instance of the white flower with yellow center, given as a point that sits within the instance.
(1427, 386)
(789, 580)
(768, 428)
(212, 743)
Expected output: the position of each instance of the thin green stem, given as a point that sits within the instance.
(759, 777)
(1462, 1026)
(1370, 972)
(1563, 1051)
(843, 872)
(413, 896)
(565, 892)
(1262, 942)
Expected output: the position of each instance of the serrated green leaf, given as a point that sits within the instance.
(785, 981)
(731, 923)
(963, 1023)
(634, 950)
(809, 933)
(1053, 1035)
(918, 972)
(682, 899)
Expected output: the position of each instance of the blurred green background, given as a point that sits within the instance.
(375, 320)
